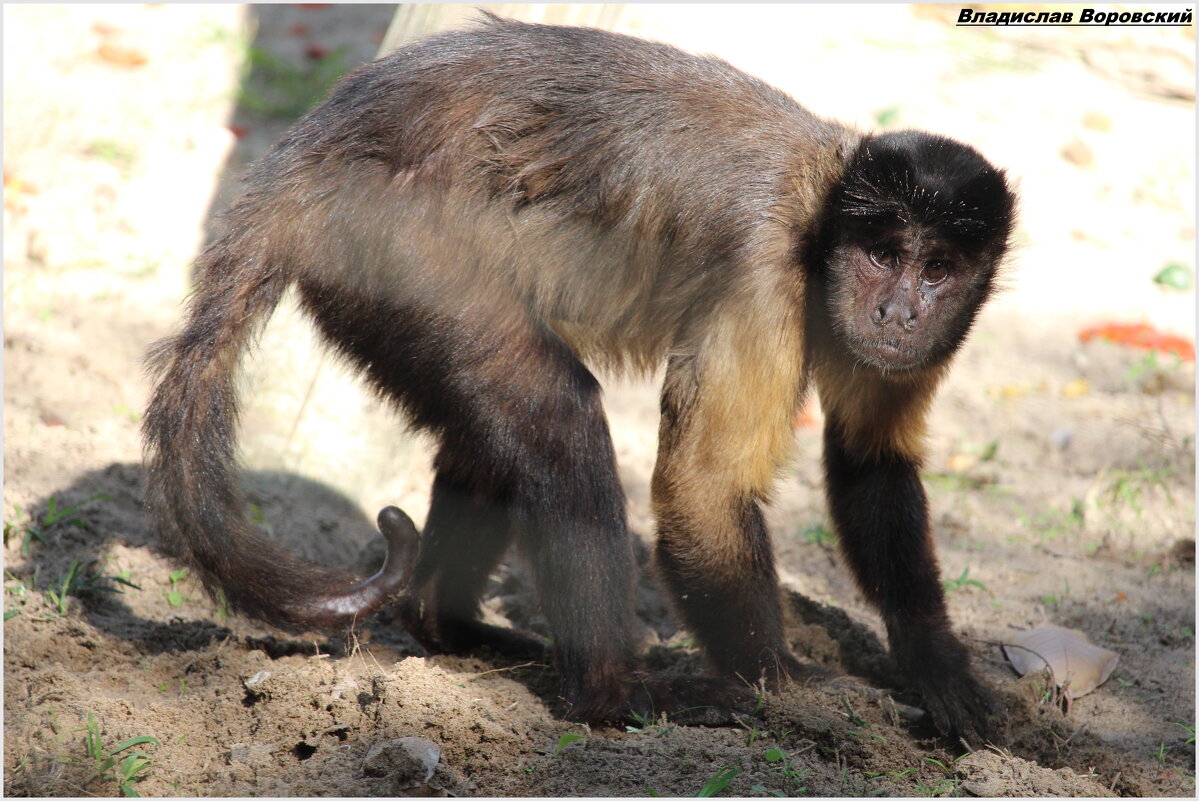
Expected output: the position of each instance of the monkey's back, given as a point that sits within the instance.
(604, 182)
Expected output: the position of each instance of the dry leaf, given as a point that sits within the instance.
(1077, 666)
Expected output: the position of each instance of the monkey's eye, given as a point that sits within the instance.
(884, 257)
(934, 272)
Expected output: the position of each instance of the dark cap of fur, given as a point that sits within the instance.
(908, 178)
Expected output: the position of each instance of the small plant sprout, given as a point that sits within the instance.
(646, 723)
(945, 783)
(713, 786)
(22, 525)
(894, 774)
(175, 597)
(123, 578)
(963, 581)
(54, 515)
(819, 534)
(19, 592)
(109, 764)
(567, 739)
(79, 581)
(785, 765)
(59, 597)
(222, 605)
(30, 532)
(760, 695)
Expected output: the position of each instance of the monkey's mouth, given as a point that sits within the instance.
(887, 354)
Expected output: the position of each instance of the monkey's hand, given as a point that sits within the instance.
(961, 706)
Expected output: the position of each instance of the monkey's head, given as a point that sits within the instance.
(918, 226)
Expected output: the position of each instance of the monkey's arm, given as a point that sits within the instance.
(725, 431)
(880, 511)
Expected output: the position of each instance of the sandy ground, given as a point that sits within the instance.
(1061, 474)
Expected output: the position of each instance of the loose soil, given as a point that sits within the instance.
(1060, 473)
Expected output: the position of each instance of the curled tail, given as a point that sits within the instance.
(192, 489)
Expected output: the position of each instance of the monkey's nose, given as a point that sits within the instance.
(904, 314)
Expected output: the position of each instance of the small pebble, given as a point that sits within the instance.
(405, 759)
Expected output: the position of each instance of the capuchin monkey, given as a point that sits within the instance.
(482, 219)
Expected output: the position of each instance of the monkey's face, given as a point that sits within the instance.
(919, 224)
(904, 300)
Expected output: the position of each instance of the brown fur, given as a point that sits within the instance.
(880, 416)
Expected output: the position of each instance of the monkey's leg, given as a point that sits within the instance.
(568, 510)
(573, 553)
(463, 540)
(881, 514)
(523, 437)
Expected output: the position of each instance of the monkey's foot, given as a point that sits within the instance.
(686, 700)
(691, 700)
(466, 636)
(470, 635)
(777, 668)
(804, 674)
